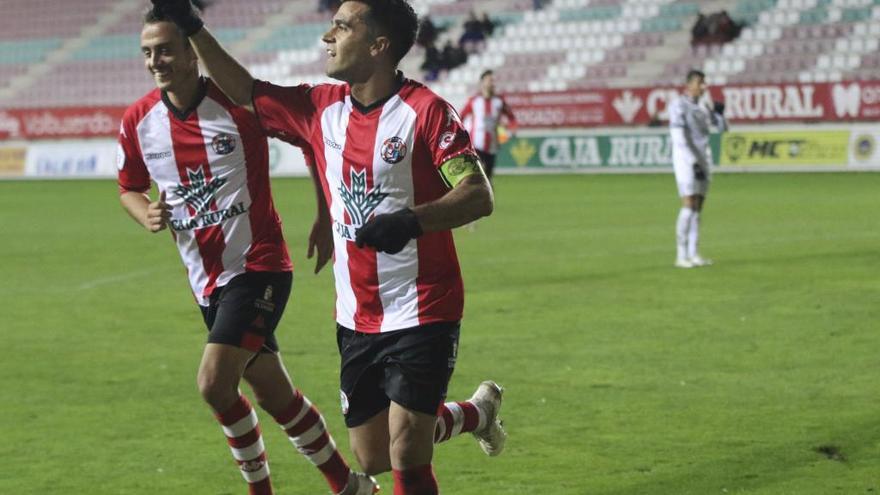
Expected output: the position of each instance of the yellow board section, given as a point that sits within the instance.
(785, 148)
(12, 161)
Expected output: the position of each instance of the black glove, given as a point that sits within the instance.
(182, 13)
(389, 233)
(719, 107)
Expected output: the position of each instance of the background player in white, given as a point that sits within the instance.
(690, 118)
(482, 115)
(397, 171)
(209, 159)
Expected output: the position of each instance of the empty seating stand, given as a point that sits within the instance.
(567, 44)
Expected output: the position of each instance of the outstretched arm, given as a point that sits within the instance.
(229, 75)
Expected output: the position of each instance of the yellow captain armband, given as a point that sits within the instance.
(456, 169)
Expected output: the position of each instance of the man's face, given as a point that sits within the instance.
(168, 56)
(348, 43)
(696, 87)
(487, 84)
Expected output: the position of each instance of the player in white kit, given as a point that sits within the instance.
(690, 119)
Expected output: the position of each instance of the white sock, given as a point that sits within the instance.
(694, 235)
(682, 229)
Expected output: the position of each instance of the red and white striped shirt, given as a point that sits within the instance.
(371, 161)
(482, 116)
(213, 164)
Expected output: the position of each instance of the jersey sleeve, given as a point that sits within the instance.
(133, 175)
(444, 134)
(285, 112)
(676, 114)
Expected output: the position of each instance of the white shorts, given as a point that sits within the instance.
(692, 179)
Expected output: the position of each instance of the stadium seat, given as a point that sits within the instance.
(568, 44)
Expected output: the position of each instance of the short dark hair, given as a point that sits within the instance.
(155, 14)
(693, 74)
(487, 72)
(395, 19)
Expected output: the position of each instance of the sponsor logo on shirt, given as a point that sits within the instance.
(359, 202)
(393, 150)
(157, 156)
(333, 144)
(223, 144)
(199, 195)
(446, 140)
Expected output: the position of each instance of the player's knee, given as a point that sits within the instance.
(216, 391)
(372, 460)
(407, 451)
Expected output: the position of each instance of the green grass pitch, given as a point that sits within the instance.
(623, 375)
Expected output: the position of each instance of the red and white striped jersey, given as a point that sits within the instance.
(482, 116)
(213, 165)
(371, 161)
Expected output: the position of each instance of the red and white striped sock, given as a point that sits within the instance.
(307, 431)
(415, 481)
(455, 418)
(243, 435)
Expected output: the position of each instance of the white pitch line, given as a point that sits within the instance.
(113, 279)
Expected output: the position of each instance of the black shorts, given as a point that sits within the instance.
(411, 367)
(245, 311)
(488, 163)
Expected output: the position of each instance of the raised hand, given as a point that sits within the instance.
(182, 13)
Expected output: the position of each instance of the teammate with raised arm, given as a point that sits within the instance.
(690, 120)
(397, 171)
(209, 159)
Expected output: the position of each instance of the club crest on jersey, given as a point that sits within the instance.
(393, 150)
(359, 202)
(223, 144)
(446, 140)
(199, 195)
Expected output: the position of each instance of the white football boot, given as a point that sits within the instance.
(684, 263)
(487, 398)
(700, 261)
(360, 484)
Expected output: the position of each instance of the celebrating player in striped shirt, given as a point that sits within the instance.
(397, 172)
(209, 159)
(482, 115)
